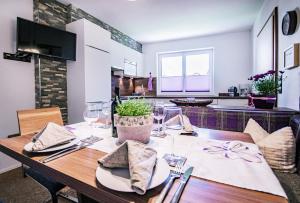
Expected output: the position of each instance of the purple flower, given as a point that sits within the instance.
(256, 77)
(271, 72)
(259, 76)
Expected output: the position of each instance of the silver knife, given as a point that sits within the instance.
(71, 150)
(58, 153)
(183, 180)
(84, 143)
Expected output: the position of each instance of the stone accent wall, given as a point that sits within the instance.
(77, 13)
(53, 71)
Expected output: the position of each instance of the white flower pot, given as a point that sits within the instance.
(136, 128)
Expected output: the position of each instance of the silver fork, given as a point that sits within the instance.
(174, 174)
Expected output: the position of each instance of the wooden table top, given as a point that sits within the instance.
(78, 171)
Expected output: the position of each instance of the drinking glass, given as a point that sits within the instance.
(171, 113)
(92, 112)
(158, 114)
(106, 111)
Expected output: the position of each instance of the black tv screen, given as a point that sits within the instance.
(44, 40)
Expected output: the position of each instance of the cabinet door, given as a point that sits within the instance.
(97, 75)
(233, 102)
(96, 36)
(117, 55)
(130, 68)
(140, 66)
(136, 57)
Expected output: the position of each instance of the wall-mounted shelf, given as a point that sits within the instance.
(19, 56)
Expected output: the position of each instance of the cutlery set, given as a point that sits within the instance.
(176, 173)
(80, 145)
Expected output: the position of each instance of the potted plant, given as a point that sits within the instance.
(265, 88)
(134, 121)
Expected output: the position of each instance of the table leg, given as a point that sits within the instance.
(84, 199)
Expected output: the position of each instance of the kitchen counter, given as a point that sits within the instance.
(182, 97)
(235, 118)
(217, 100)
(250, 109)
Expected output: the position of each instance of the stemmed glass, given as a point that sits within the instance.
(174, 124)
(91, 113)
(158, 114)
(106, 110)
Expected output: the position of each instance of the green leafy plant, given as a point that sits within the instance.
(267, 84)
(134, 107)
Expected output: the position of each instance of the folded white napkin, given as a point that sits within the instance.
(183, 120)
(50, 136)
(136, 156)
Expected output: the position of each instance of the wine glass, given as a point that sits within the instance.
(91, 113)
(158, 114)
(173, 121)
(106, 110)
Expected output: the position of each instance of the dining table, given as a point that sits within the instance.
(78, 171)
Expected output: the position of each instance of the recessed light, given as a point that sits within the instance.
(131, 0)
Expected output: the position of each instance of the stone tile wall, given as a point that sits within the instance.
(77, 13)
(54, 72)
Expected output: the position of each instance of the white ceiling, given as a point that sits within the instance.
(160, 20)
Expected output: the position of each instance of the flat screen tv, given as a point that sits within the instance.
(44, 40)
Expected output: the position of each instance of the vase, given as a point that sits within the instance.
(136, 128)
(261, 102)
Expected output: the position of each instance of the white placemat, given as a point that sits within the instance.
(235, 172)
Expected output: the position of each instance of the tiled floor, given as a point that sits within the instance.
(291, 185)
(14, 188)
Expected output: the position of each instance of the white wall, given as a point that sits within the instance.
(291, 85)
(232, 56)
(16, 78)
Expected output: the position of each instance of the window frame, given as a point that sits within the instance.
(184, 53)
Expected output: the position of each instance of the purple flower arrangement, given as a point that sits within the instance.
(266, 83)
(263, 75)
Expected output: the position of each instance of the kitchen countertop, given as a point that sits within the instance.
(250, 108)
(182, 97)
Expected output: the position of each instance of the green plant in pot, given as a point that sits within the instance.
(134, 121)
(265, 88)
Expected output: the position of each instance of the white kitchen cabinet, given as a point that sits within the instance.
(233, 102)
(89, 77)
(96, 85)
(96, 36)
(135, 57)
(130, 68)
(121, 53)
(117, 55)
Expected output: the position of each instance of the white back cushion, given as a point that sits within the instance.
(278, 148)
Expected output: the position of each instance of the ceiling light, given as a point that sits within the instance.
(131, 0)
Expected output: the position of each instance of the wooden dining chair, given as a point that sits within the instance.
(30, 122)
(33, 120)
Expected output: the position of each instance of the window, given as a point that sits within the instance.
(185, 72)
